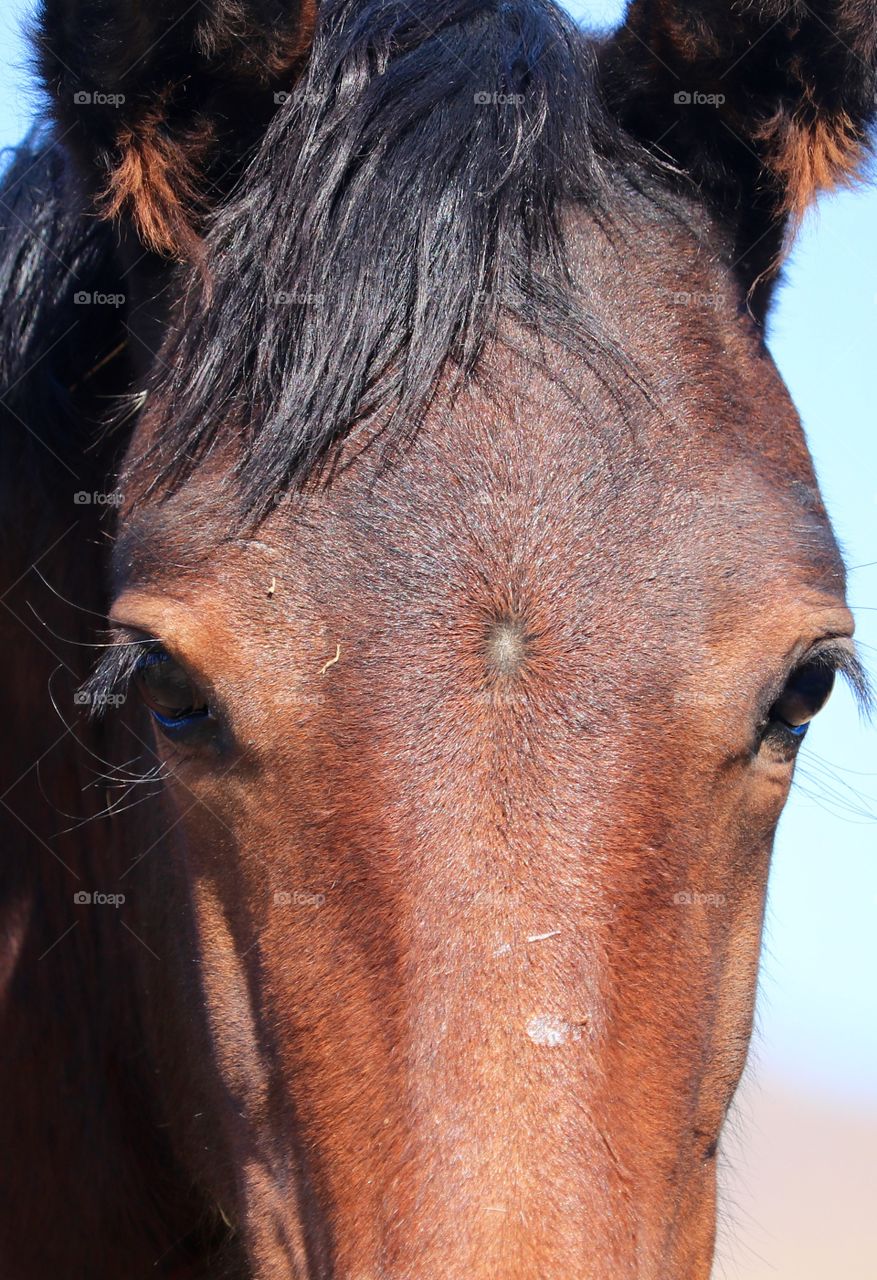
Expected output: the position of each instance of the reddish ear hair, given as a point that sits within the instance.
(764, 103)
(161, 103)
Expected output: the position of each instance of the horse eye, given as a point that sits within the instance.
(806, 693)
(168, 692)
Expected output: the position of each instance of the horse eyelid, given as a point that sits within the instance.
(839, 655)
(111, 679)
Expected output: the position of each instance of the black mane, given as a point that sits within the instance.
(389, 217)
(53, 250)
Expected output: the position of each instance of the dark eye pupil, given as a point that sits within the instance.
(804, 696)
(167, 690)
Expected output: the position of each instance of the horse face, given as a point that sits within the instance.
(478, 823)
(476, 754)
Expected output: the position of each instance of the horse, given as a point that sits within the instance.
(416, 592)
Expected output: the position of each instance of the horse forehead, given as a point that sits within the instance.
(673, 439)
(511, 503)
(540, 493)
(672, 443)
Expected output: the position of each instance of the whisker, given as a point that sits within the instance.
(107, 777)
(154, 774)
(83, 644)
(111, 811)
(836, 787)
(55, 592)
(831, 799)
(839, 768)
(107, 764)
(129, 405)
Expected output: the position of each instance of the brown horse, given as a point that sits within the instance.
(469, 579)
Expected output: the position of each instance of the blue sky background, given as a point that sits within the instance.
(818, 1003)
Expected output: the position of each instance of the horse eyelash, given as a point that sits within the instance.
(111, 678)
(845, 661)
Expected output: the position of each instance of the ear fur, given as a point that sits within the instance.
(763, 103)
(161, 102)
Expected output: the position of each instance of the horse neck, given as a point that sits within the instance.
(77, 980)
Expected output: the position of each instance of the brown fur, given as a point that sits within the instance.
(792, 97)
(228, 32)
(496, 1044)
(160, 148)
(810, 155)
(160, 179)
(157, 184)
(439, 953)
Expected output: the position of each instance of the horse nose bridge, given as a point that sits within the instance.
(504, 1029)
(510, 1177)
(505, 1172)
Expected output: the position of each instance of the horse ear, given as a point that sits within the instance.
(764, 103)
(161, 102)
